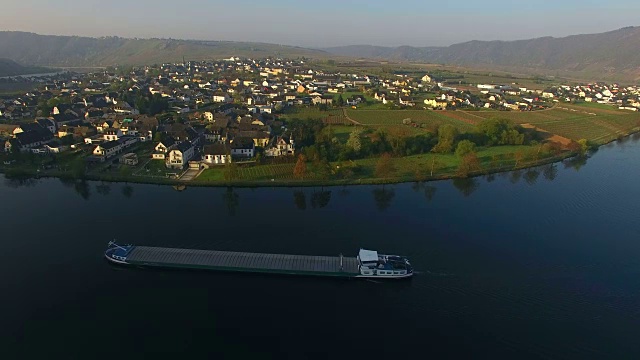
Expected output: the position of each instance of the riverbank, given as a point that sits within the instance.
(362, 172)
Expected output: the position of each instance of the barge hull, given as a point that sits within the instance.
(243, 262)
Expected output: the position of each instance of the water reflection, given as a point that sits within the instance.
(429, 191)
(531, 176)
(467, 186)
(17, 182)
(231, 200)
(82, 188)
(300, 199)
(103, 189)
(575, 163)
(515, 176)
(127, 191)
(550, 172)
(383, 197)
(320, 199)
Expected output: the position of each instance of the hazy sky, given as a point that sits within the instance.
(321, 23)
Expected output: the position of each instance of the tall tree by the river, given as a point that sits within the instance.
(300, 170)
(384, 166)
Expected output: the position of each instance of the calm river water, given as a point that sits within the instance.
(533, 264)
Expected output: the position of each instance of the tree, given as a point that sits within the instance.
(230, 171)
(300, 170)
(465, 147)
(518, 156)
(584, 146)
(384, 166)
(355, 141)
(436, 165)
(469, 164)
(447, 134)
(340, 101)
(322, 169)
(500, 132)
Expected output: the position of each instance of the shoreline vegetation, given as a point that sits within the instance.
(218, 180)
(491, 147)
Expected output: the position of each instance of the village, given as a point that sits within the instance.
(201, 114)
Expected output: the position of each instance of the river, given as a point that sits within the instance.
(535, 264)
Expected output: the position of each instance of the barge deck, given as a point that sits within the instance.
(338, 266)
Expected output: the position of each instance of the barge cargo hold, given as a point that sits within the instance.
(387, 266)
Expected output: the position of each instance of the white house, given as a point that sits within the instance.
(107, 149)
(112, 134)
(161, 150)
(179, 156)
(217, 154)
(222, 97)
(281, 147)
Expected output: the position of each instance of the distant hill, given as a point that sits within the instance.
(11, 68)
(72, 51)
(613, 53)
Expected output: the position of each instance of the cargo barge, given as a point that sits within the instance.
(368, 264)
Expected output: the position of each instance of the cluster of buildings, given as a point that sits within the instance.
(216, 111)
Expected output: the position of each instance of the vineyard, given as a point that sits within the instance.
(431, 119)
(594, 124)
(314, 113)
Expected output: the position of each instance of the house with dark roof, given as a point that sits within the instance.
(162, 148)
(243, 147)
(25, 141)
(179, 156)
(217, 154)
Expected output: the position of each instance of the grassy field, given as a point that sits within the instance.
(405, 168)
